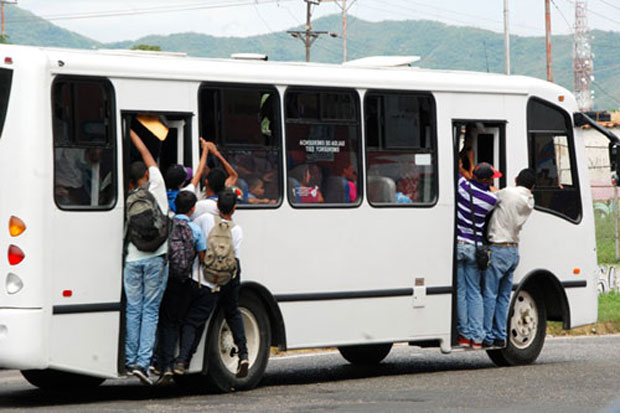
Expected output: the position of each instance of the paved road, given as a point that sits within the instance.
(571, 375)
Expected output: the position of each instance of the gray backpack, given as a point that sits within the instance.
(147, 226)
(220, 265)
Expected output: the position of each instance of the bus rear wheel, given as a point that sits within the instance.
(60, 380)
(527, 327)
(365, 354)
(222, 351)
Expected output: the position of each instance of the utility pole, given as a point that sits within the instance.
(2, 3)
(308, 36)
(548, 39)
(582, 58)
(345, 8)
(506, 38)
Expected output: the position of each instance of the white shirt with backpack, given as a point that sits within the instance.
(157, 187)
(206, 222)
(203, 206)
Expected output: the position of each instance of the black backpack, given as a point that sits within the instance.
(181, 251)
(147, 225)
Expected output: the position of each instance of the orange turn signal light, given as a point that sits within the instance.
(561, 98)
(16, 226)
(576, 271)
(16, 255)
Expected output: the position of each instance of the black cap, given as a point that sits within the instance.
(486, 171)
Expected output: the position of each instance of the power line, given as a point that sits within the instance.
(605, 92)
(144, 11)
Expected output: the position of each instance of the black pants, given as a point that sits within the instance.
(174, 306)
(202, 302)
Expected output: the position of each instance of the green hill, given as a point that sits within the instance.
(439, 45)
(23, 27)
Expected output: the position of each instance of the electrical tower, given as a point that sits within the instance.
(582, 58)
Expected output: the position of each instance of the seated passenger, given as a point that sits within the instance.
(256, 192)
(307, 194)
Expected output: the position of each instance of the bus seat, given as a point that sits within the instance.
(381, 189)
(337, 190)
(293, 190)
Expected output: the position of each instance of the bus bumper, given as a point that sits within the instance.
(21, 339)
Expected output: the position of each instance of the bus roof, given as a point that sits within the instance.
(174, 66)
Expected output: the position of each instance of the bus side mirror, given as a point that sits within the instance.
(614, 159)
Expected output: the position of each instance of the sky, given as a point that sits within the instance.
(115, 20)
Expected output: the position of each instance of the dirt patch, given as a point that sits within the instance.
(609, 327)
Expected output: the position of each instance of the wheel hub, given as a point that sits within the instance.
(524, 321)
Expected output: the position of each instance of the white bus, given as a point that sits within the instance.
(352, 241)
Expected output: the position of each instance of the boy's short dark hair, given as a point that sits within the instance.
(137, 171)
(216, 179)
(526, 178)
(226, 201)
(175, 176)
(253, 182)
(185, 201)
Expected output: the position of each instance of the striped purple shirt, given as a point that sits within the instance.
(484, 201)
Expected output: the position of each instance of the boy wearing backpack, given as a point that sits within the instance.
(185, 242)
(216, 279)
(145, 272)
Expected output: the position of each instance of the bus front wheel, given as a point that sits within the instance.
(527, 327)
(60, 380)
(222, 350)
(365, 354)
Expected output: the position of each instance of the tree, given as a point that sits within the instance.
(152, 48)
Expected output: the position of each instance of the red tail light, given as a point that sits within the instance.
(16, 255)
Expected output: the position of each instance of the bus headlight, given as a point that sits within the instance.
(13, 283)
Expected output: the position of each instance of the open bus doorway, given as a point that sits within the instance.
(475, 141)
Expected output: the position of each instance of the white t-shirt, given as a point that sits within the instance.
(206, 222)
(157, 187)
(203, 206)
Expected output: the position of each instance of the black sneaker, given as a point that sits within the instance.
(499, 343)
(242, 368)
(155, 370)
(179, 368)
(166, 377)
(129, 368)
(143, 375)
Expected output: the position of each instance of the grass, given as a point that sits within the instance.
(605, 238)
(608, 319)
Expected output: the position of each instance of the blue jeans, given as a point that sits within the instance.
(144, 282)
(468, 294)
(497, 288)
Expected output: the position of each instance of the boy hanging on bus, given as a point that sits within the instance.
(185, 242)
(145, 272)
(514, 206)
(177, 175)
(205, 295)
(215, 180)
(475, 199)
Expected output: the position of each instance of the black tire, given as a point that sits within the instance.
(522, 349)
(60, 380)
(366, 354)
(219, 376)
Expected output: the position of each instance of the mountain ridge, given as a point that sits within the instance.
(439, 45)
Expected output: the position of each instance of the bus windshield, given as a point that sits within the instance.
(6, 78)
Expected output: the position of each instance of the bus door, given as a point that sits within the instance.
(86, 227)
(487, 142)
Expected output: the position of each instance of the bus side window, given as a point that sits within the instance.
(244, 122)
(400, 148)
(552, 157)
(84, 155)
(323, 150)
